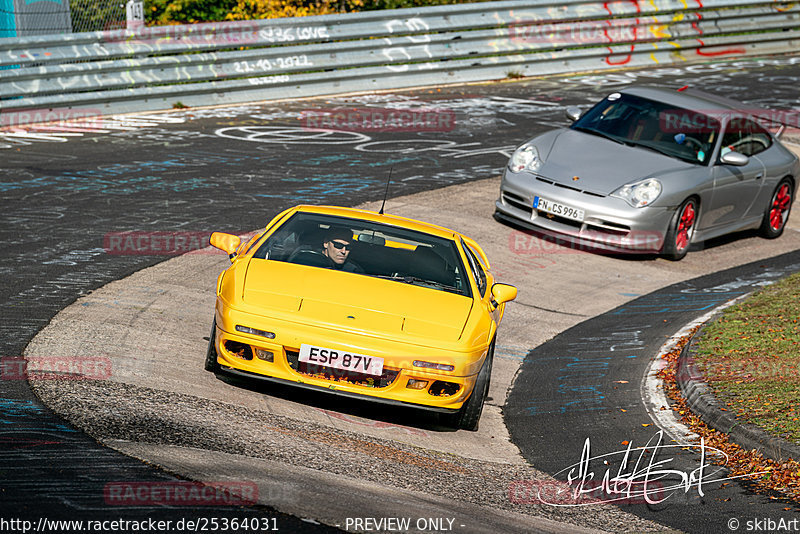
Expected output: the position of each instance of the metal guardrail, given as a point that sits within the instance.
(158, 67)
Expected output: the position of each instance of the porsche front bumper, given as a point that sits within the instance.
(609, 223)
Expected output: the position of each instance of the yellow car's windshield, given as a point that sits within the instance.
(368, 248)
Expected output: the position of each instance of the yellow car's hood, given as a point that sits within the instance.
(353, 302)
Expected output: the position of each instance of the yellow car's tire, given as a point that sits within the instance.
(469, 415)
(211, 352)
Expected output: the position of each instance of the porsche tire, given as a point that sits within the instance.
(211, 353)
(468, 417)
(777, 212)
(680, 231)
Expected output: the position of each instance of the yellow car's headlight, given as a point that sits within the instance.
(255, 331)
(431, 365)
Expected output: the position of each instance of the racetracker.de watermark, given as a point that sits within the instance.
(156, 243)
(379, 120)
(748, 370)
(575, 33)
(180, 493)
(55, 368)
(710, 120)
(23, 117)
(216, 33)
(634, 242)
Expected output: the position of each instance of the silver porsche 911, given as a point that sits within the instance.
(652, 171)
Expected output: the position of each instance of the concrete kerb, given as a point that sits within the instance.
(701, 399)
(652, 392)
(703, 402)
(691, 382)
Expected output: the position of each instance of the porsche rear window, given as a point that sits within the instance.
(373, 249)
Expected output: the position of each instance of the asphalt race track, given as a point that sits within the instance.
(66, 195)
(585, 384)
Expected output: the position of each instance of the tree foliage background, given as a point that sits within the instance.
(91, 15)
(161, 12)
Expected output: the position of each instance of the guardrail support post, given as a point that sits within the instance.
(134, 11)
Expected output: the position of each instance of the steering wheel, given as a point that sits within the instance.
(697, 145)
(310, 257)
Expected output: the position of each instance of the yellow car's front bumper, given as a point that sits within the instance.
(255, 356)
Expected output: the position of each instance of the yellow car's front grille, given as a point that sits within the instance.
(334, 375)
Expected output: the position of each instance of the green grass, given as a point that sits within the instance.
(751, 358)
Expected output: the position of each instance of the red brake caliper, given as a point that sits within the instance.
(779, 207)
(685, 224)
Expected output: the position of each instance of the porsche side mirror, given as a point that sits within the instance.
(734, 158)
(225, 242)
(573, 113)
(503, 293)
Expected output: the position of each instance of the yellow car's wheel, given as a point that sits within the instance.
(469, 415)
(211, 352)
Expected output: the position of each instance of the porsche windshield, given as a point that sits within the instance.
(368, 248)
(635, 121)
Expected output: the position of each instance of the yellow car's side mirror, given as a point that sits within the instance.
(503, 293)
(225, 242)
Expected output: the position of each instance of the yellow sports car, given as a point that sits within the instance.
(361, 304)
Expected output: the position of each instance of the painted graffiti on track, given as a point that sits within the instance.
(293, 135)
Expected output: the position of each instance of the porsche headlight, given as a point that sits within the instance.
(525, 157)
(640, 194)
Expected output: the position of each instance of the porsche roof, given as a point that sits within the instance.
(692, 99)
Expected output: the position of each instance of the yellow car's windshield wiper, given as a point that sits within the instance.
(416, 280)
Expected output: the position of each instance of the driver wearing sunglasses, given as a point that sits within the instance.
(337, 247)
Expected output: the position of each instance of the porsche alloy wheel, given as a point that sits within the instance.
(469, 415)
(777, 212)
(681, 230)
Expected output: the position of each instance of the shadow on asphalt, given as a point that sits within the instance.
(334, 404)
(627, 256)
